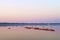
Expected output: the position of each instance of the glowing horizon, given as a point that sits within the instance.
(30, 11)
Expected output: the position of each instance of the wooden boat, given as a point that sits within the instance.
(45, 29)
(36, 28)
(48, 29)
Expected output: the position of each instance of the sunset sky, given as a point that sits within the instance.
(35, 11)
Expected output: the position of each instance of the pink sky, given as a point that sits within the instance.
(29, 11)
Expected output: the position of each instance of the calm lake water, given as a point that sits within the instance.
(20, 33)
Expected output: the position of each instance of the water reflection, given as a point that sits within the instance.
(20, 33)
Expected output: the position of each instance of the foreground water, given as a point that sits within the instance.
(20, 33)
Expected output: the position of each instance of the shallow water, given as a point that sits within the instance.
(20, 33)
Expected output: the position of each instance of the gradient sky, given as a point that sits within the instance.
(30, 11)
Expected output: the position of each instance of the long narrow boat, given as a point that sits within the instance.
(47, 29)
(37, 28)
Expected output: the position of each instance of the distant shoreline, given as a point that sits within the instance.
(19, 24)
